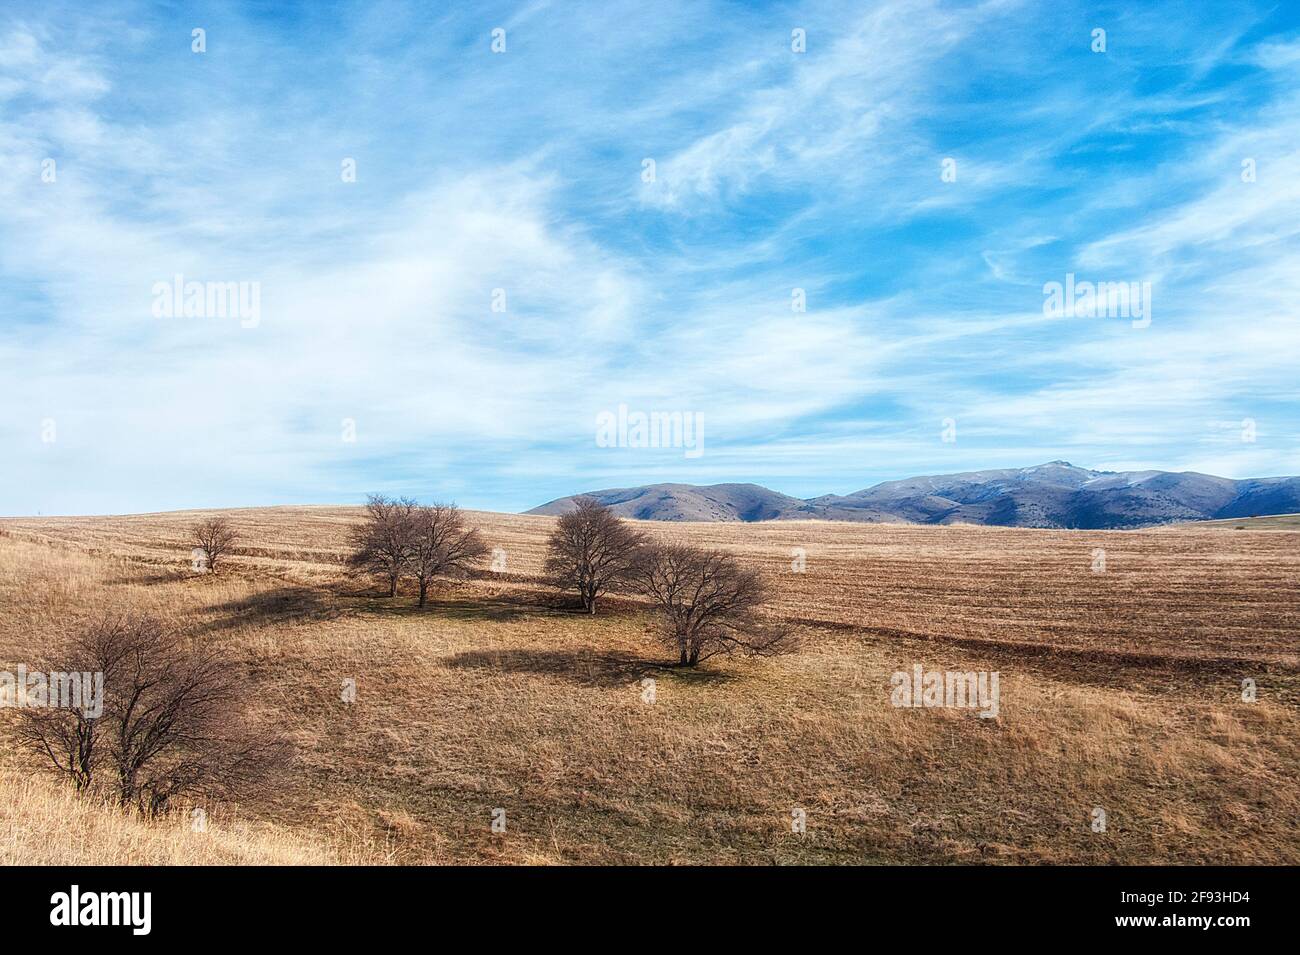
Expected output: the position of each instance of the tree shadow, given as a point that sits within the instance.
(594, 668)
(152, 578)
(500, 605)
(282, 605)
(484, 610)
(462, 603)
(610, 605)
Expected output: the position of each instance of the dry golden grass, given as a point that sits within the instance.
(1290, 522)
(46, 824)
(1119, 690)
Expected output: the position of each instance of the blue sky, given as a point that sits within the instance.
(377, 362)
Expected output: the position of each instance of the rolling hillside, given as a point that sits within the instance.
(1120, 689)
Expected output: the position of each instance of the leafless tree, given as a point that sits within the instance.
(381, 541)
(442, 545)
(69, 738)
(708, 602)
(216, 537)
(172, 720)
(592, 550)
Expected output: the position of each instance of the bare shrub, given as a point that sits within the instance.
(442, 544)
(381, 540)
(173, 721)
(708, 603)
(592, 550)
(216, 537)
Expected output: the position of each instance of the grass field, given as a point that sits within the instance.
(1288, 522)
(1119, 689)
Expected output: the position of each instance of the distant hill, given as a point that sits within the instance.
(690, 502)
(1056, 494)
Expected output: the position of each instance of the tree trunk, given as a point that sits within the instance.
(424, 592)
(392, 585)
(126, 791)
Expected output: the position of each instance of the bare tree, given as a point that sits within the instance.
(215, 536)
(68, 737)
(708, 603)
(381, 541)
(171, 721)
(592, 550)
(442, 545)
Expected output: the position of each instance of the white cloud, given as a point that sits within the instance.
(479, 174)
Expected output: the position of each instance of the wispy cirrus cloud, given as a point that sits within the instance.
(516, 178)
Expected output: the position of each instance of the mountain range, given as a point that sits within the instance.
(1056, 494)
